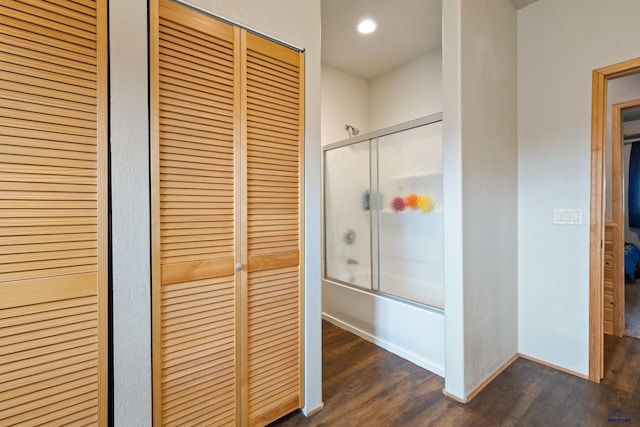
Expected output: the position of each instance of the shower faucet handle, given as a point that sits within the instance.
(349, 236)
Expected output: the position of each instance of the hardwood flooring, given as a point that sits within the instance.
(365, 385)
(632, 309)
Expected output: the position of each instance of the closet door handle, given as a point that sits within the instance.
(239, 266)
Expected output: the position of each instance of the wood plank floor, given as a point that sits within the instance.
(365, 385)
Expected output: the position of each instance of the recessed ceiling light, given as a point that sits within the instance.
(367, 26)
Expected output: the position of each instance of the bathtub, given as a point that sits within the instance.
(412, 331)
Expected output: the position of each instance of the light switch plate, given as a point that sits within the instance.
(562, 216)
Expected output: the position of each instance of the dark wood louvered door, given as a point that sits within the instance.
(53, 213)
(226, 149)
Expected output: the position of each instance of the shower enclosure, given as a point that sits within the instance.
(383, 212)
(383, 245)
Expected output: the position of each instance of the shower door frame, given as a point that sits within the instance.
(374, 287)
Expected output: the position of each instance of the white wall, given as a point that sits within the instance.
(454, 383)
(489, 189)
(479, 69)
(130, 189)
(408, 92)
(345, 100)
(559, 44)
(130, 212)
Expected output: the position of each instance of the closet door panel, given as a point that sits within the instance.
(53, 213)
(273, 147)
(195, 97)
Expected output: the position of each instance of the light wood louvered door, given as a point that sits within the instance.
(272, 141)
(226, 143)
(195, 296)
(53, 213)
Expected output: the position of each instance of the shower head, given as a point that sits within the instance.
(351, 130)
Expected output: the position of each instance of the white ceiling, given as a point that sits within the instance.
(406, 30)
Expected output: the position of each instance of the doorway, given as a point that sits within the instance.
(625, 124)
(621, 243)
(601, 78)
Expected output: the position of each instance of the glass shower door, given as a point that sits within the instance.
(410, 229)
(347, 199)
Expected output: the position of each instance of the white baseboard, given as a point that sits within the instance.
(307, 412)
